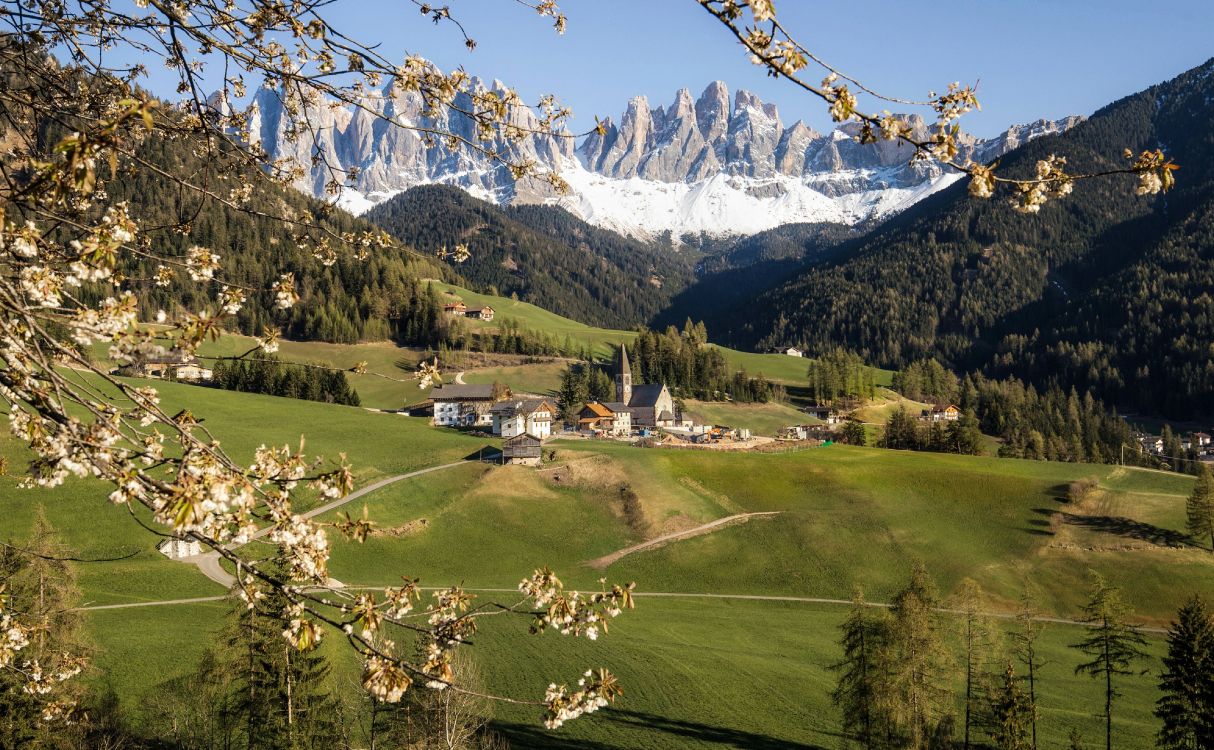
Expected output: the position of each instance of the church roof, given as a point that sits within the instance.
(646, 395)
(624, 368)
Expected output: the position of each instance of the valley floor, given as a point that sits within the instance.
(735, 629)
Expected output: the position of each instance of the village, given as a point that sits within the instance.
(645, 414)
(640, 412)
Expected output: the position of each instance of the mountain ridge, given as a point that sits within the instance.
(715, 164)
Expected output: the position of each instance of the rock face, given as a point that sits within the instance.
(713, 164)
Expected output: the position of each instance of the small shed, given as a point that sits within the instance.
(525, 450)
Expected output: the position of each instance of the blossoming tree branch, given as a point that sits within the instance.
(72, 261)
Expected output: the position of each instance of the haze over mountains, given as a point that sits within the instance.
(718, 164)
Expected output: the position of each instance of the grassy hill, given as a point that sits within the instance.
(778, 367)
(699, 671)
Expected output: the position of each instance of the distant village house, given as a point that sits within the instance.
(479, 313)
(793, 351)
(532, 416)
(455, 308)
(457, 405)
(176, 548)
(174, 365)
(948, 413)
(599, 418)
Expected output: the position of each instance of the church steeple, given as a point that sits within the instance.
(623, 378)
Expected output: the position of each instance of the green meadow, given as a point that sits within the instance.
(698, 671)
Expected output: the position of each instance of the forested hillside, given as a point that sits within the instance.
(542, 254)
(379, 297)
(1105, 289)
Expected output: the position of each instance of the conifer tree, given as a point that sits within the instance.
(918, 664)
(37, 580)
(978, 641)
(281, 700)
(859, 681)
(1200, 506)
(1012, 713)
(1024, 640)
(1187, 683)
(1113, 644)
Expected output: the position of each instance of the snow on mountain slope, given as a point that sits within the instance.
(725, 205)
(705, 165)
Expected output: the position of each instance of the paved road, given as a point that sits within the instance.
(605, 560)
(210, 565)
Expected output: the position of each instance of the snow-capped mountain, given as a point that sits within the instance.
(717, 164)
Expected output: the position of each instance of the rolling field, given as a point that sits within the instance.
(761, 419)
(698, 671)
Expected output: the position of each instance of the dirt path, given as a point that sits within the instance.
(663, 595)
(210, 565)
(459, 378)
(707, 528)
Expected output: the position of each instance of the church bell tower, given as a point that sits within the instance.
(623, 378)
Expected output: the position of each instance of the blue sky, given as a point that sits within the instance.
(1032, 58)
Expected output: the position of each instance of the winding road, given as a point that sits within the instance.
(209, 563)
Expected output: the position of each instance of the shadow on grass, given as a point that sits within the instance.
(1042, 526)
(522, 735)
(488, 453)
(1130, 529)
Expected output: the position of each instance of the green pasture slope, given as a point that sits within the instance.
(698, 671)
(778, 367)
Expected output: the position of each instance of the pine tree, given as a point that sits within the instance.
(1187, 683)
(917, 662)
(856, 689)
(1011, 713)
(1112, 643)
(1200, 506)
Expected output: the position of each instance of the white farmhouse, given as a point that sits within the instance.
(531, 416)
(459, 405)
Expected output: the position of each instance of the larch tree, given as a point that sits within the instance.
(1186, 706)
(1024, 643)
(979, 646)
(917, 665)
(1112, 643)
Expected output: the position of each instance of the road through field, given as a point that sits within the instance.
(649, 595)
(209, 563)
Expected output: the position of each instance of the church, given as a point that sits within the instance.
(649, 405)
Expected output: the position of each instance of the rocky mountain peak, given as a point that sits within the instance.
(721, 163)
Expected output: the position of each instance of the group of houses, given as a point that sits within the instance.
(1195, 442)
(173, 365)
(460, 310)
(525, 422)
